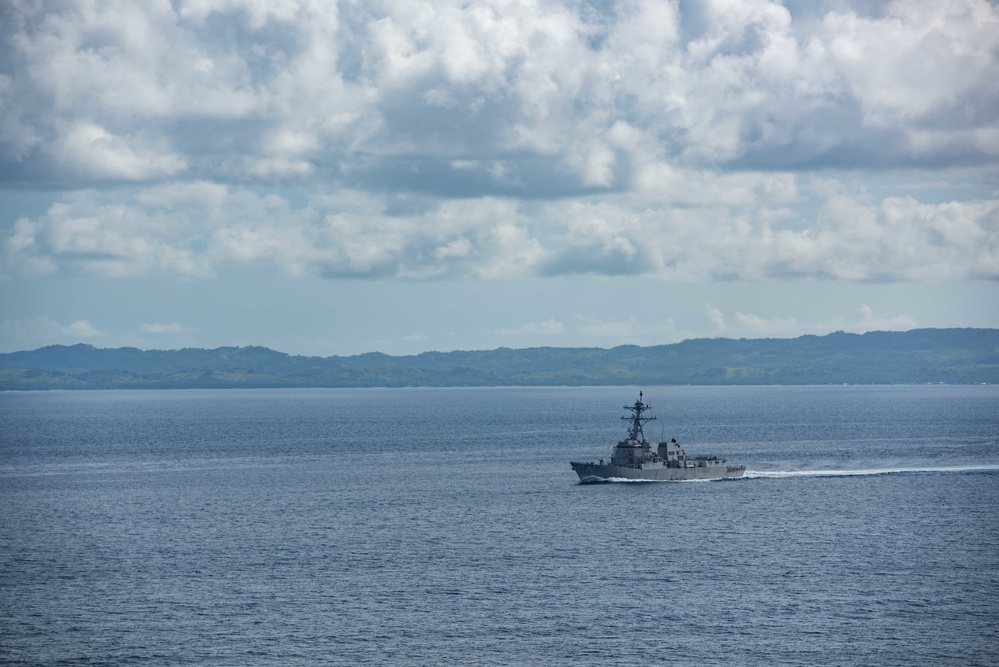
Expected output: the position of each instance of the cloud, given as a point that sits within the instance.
(438, 140)
(757, 326)
(755, 230)
(80, 329)
(158, 329)
(549, 327)
(896, 239)
(716, 316)
(94, 234)
(631, 330)
(562, 94)
(915, 61)
(92, 148)
(871, 322)
(35, 332)
(748, 325)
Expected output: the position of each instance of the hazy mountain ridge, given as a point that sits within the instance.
(918, 356)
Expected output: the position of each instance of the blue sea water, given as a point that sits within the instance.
(444, 526)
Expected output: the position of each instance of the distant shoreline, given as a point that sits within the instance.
(917, 357)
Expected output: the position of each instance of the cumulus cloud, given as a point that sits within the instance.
(869, 321)
(158, 329)
(94, 150)
(429, 140)
(94, 234)
(749, 325)
(551, 326)
(631, 330)
(35, 332)
(199, 229)
(236, 89)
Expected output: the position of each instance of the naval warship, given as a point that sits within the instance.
(634, 458)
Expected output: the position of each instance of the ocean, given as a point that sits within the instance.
(445, 527)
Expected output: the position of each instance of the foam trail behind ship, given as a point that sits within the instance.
(870, 471)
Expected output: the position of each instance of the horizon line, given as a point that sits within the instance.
(504, 347)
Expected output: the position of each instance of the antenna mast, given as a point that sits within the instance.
(636, 418)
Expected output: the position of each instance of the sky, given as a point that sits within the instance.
(334, 178)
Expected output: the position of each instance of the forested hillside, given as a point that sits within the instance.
(919, 356)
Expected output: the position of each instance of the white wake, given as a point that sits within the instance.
(870, 471)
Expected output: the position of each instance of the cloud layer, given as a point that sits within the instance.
(196, 230)
(683, 140)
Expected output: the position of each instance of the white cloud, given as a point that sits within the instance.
(896, 239)
(870, 322)
(98, 152)
(716, 317)
(630, 330)
(159, 329)
(513, 251)
(90, 234)
(80, 329)
(916, 60)
(549, 327)
(35, 332)
(749, 325)
(300, 89)
(430, 140)
(197, 230)
(765, 327)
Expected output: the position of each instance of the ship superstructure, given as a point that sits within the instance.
(634, 457)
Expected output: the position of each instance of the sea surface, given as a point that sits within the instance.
(445, 527)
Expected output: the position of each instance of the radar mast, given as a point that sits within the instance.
(636, 419)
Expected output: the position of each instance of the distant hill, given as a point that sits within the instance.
(958, 356)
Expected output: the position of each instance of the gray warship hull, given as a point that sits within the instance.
(635, 458)
(595, 472)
